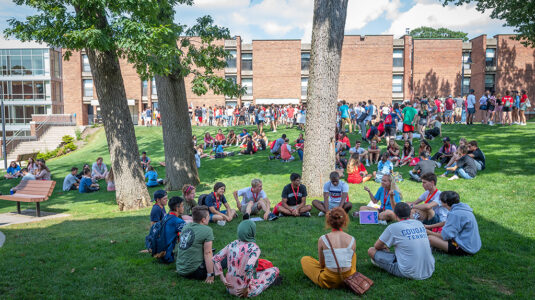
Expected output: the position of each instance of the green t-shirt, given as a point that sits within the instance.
(408, 115)
(190, 253)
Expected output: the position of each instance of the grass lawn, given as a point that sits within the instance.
(95, 252)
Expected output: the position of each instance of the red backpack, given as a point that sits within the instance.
(388, 119)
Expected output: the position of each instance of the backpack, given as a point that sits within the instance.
(155, 240)
(201, 199)
(362, 117)
(254, 147)
(388, 119)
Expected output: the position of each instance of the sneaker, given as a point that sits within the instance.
(373, 262)
(272, 217)
(523, 124)
(278, 280)
(246, 216)
(305, 214)
(321, 214)
(416, 216)
(281, 215)
(221, 223)
(382, 222)
(367, 164)
(356, 214)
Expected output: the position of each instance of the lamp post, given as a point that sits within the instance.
(4, 151)
(468, 61)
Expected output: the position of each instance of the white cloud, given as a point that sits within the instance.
(360, 13)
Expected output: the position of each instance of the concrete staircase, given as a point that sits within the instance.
(50, 140)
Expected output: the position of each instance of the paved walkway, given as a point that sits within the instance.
(2, 239)
(27, 216)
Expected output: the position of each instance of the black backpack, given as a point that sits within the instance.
(201, 199)
(155, 240)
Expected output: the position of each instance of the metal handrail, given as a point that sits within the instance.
(18, 132)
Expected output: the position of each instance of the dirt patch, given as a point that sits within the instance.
(495, 285)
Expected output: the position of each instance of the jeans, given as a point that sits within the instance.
(414, 176)
(463, 116)
(229, 121)
(479, 166)
(300, 153)
(462, 173)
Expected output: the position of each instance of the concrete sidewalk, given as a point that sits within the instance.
(27, 216)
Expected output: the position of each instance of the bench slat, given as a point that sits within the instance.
(32, 191)
(23, 198)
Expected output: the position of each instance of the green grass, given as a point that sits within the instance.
(74, 257)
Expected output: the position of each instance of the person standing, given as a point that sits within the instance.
(344, 115)
(471, 107)
(483, 107)
(408, 113)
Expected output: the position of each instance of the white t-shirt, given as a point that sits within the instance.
(386, 110)
(413, 252)
(335, 191)
(360, 150)
(440, 210)
(247, 195)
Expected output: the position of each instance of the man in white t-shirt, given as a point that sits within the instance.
(334, 195)
(412, 257)
(358, 149)
(428, 208)
(253, 200)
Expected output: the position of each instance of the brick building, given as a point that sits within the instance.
(377, 67)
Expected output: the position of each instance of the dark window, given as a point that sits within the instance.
(231, 61)
(490, 57)
(305, 61)
(397, 84)
(398, 58)
(247, 61)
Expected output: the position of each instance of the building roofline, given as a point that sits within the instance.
(268, 40)
(484, 34)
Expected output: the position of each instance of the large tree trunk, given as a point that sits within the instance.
(180, 165)
(326, 51)
(131, 192)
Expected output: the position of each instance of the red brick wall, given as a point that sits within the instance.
(366, 69)
(437, 67)
(72, 87)
(277, 69)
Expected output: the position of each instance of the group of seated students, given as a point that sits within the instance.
(87, 180)
(35, 170)
(281, 148)
(436, 219)
(250, 143)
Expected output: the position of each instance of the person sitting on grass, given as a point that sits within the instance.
(445, 152)
(26, 175)
(384, 167)
(373, 133)
(427, 208)
(465, 168)
(286, 151)
(343, 143)
(242, 255)
(393, 152)
(424, 166)
(478, 156)
(81, 174)
(324, 271)
(374, 152)
(412, 257)
(99, 169)
(231, 138)
(335, 194)
(457, 155)
(110, 181)
(194, 254)
(356, 172)
(173, 227)
(32, 166)
(253, 200)
(242, 137)
(277, 146)
(13, 171)
(362, 153)
(43, 173)
(218, 152)
(145, 161)
(432, 133)
(460, 234)
(387, 196)
(152, 177)
(425, 147)
(86, 183)
(215, 200)
(70, 183)
(158, 209)
(220, 138)
(209, 141)
(294, 199)
(407, 154)
(251, 147)
(188, 192)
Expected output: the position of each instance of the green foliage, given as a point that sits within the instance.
(61, 150)
(67, 139)
(78, 134)
(515, 13)
(441, 33)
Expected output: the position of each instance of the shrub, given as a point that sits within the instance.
(67, 139)
(78, 134)
(70, 147)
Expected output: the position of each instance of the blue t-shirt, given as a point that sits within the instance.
(386, 167)
(380, 196)
(157, 213)
(172, 228)
(85, 185)
(344, 111)
(218, 149)
(369, 110)
(211, 201)
(153, 178)
(12, 171)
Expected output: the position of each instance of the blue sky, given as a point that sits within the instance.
(292, 19)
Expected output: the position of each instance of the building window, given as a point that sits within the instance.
(305, 61)
(304, 87)
(398, 58)
(231, 77)
(153, 87)
(22, 62)
(88, 88)
(231, 61)
(466, 56)
(57, 64)
(397, 84)
(490, 57)
(489, 82)
(466, 86)
(247, 83)
(247, 61)
(85, 63)
(144, 88)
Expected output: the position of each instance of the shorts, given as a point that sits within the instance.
(523, 107)
(483, 107)
(458, 111)
(471, 110)
(276, 208)
(408, 128)
(491, 108)
(454, 249)
(506, 109)
(448, 113)
(221, 211)
(254, 209)
(435, 219)
(390, 131)
(387, 261)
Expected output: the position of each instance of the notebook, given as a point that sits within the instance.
(369, 217)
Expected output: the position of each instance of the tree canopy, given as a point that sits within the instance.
(440, 33)
(515, 13)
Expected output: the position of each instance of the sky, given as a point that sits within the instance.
(292, 19)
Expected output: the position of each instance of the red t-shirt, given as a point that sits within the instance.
(291, 113)
(220, 137)
(438, 103)
(449, 104)
(354, 177)
(506, 99)
(381, 128)
(523, 98)
(346, 141)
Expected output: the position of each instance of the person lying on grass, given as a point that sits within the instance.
(86, 183)
(242, 256)
(70, 183)
(294, 198)
(215, 200)
(335, 194)
(253, 200)
(387, 196)
(158, 209)
(324, 271)
(412, 256)
(427, 208)
(460, 234)
(465, 167)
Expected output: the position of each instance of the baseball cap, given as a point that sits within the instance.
(446, 139)
(159, 194)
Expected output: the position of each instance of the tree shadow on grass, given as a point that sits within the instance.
(100, 258)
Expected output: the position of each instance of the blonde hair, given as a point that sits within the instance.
(353, 163)
(394, 185)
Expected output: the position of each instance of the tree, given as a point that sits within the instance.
(325, 56)
(440, 33)
(158, 47)
(77, 25)
(517, 14)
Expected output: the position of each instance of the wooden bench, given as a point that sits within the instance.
(25, 157)
(32, 191)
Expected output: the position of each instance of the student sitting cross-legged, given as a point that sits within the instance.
(173, 226)
(253, 200)
(335, 194)
(241, 255)
(427, 208)
(86, 183)
(324, 271)
(294, 199)
(460, 234)
(157, 212)
(387, 196)
(70, 183)
(412, 257)
(215, 201)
